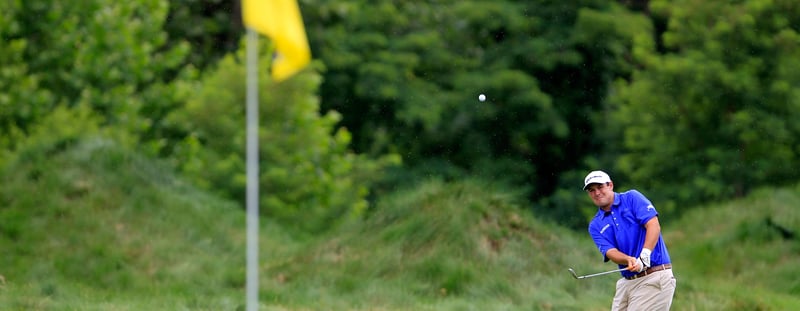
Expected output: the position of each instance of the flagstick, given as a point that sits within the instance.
(252, 170)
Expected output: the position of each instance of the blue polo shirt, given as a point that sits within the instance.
(623, 228)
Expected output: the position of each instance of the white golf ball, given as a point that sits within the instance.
(482, 97)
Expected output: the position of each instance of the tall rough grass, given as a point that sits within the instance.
(90, 225)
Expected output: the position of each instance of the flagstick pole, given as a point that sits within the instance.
(252, 170)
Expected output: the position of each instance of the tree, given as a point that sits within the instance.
(21, 98)
(108, 55)
(309, 179)
(406, 77)
(211, 27)
(713, 116)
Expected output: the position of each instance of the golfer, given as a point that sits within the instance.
(626, 231)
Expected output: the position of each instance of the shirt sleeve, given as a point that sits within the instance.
(643, 210)
(602, 243)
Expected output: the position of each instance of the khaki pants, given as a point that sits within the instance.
(651, 292)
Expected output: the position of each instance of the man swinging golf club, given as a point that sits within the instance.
(626, 231)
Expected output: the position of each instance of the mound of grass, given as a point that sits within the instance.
(741, 255)
(444, 246)
(466, 246)
(89, 225)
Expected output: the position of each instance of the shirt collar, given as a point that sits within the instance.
(614, 206)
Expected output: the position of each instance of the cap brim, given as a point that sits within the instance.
(592, 183)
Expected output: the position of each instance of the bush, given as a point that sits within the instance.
(308, 177)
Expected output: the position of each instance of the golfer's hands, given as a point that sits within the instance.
(635, 265)
(644, 258)
(640, 264)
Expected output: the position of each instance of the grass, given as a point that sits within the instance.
(734, 256)
(91, 226)
(94, 224)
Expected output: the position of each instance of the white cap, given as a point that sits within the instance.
(595, 177)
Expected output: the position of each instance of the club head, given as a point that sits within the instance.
(575, 275)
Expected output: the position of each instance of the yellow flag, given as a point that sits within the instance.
(281, 21)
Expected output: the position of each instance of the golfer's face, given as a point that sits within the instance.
(602, 194)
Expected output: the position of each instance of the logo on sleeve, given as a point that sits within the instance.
(651, 207)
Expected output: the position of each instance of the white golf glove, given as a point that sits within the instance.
(644, 259)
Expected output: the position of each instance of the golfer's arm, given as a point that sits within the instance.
(653, 229)
(619, 257)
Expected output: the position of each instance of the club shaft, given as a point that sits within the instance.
(601, 273)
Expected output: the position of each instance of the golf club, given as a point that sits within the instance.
(593, 275)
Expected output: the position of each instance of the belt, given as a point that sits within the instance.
(651, 270)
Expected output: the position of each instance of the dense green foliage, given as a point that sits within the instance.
(674, 98)
(21, 98)
(406, 77)
(107, 55)
(308, 177)
(715, 113)
(210, 27)
(129, 76)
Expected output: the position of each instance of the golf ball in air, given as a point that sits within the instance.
(481, 97)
